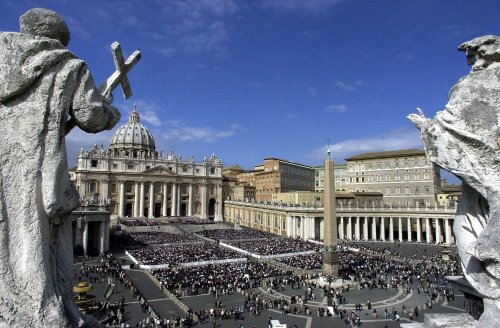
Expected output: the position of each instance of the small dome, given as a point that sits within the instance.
(133, 135)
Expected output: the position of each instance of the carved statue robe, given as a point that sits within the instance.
(464, 139)
(41, 85)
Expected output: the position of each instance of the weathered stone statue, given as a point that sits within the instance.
(42, 84)
(464, 139)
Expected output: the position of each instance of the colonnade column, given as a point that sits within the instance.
(141, 200)
(349, 228)
(341, 230)
(121, 203)
(289, 226)
(409, 229)
(427, 230)
(365, 229)
(358, 228)
(174, 199)
(151, 212)
(382, 228)
(136, 199)
(191, 200)
(106, 236)
(374, 228)
(164, 200)
(447, 230)
(419, 231)
(391, 229)
(400, 229)
(438, 231)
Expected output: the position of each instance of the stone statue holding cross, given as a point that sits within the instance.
(45, 91)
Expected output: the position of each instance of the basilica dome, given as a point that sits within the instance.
(132, 136)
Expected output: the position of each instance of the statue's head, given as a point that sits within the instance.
(481, 51)
(44, 22)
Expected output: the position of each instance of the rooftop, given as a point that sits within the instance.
(388, 154)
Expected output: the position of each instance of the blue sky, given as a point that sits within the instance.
(248, 80)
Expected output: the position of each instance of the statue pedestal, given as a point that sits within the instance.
(444, 320)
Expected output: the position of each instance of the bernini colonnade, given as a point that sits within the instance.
(421, 225)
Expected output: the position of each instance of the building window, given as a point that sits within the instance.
(130, 166)
(397, 177)
(407, 190)
(93, 187)
(427, 190)
(398, 190)
(417, 190)
(212, 170)
(388, 191)
(93, 163)
(113, 187)
(115, 166)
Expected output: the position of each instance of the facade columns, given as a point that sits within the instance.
(151, 212)
(391, 229)
(102, 236)
(218, 214)
(203, 200)
(136, 199)
(174, 199)
(85, 236)
(121, 203)
(427, 230)
(179, 198)
(190, 200)
(438, 230)
(164, 199)
(321, 227)
(382, 228)
(141, 200)
(409, 229)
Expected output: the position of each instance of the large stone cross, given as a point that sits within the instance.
(120, 75)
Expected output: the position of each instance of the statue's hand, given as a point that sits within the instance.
(418, 119)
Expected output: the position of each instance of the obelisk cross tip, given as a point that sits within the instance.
(122, 68)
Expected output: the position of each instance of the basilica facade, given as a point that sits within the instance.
(139, 181)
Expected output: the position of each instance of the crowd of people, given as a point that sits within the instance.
(275, 246)
(136, 222)
(216, 279)
(156, 238)
(304, 262)
(232, 234)
(175, 254)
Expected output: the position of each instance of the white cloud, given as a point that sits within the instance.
(307, 5)
(342, 108)
(179, 131)
(290, 116)
(405, 138)
(349, 86)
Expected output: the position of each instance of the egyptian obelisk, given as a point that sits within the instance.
(330, 256)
